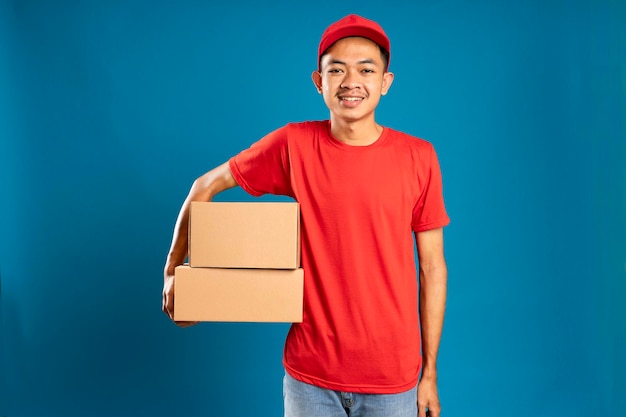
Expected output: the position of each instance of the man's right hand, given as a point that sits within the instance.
(168, 301)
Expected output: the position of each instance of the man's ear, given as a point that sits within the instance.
(317, 80)
(387, 81)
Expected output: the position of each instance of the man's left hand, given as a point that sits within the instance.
(428, 398)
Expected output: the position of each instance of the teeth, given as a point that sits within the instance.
(351, 98)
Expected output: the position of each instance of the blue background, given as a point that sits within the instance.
(110, 109)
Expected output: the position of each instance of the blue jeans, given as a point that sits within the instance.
(304, 400)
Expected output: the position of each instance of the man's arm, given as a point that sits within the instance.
(433, 283)
(203, 189)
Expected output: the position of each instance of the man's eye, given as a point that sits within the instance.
(334, 70)
(367, 70)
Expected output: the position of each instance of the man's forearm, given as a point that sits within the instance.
(433, 288)
(178, 249)
(203, 189)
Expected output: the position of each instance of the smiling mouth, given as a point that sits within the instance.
(352, 99)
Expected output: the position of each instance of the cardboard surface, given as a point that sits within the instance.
(242, 295)
(244, 235)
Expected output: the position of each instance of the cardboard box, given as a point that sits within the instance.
(244, 235)
(244, 295)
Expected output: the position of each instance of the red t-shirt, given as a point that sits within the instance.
(359, 208)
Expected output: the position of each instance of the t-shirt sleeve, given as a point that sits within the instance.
(430, 212)
(263, 168)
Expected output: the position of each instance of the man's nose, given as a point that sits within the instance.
(351, 80)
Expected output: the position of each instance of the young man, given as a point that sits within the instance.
(364, 191)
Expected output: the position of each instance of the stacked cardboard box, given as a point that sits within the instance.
(244, 264)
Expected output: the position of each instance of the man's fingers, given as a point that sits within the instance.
(164, 305)
(168, 307)
(433, 411)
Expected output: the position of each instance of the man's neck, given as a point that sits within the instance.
(360, 133)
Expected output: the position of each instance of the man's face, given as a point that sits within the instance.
(352, 79)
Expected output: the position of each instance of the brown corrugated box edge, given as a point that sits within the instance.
(238, 295)
(244, 235)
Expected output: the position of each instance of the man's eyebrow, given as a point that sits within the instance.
(363, 61)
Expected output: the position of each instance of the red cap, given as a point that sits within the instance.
(353, 25)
